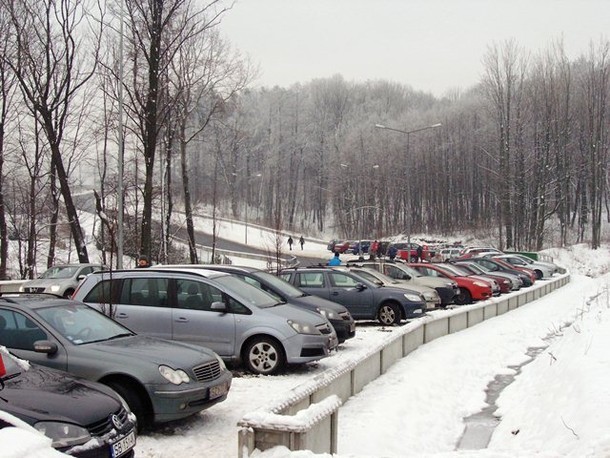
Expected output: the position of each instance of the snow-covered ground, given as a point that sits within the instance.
(557, 405)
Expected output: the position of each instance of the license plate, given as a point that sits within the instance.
(124, 445)
(218, 390)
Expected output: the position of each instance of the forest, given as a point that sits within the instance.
(158, 115)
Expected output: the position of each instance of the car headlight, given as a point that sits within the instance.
(414, 297)
(303, 328)
(329, 314)
(175, 376)
(54, 288)
(63, 434)
(481, 284)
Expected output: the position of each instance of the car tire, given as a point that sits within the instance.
(389, 314)
(463, 298)
(263, 355)
(135, 403)
(539, 274)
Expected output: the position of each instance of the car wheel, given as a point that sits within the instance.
(463, 298)
(388, 314)
(134, 401)
(539, 274)
(264, 356)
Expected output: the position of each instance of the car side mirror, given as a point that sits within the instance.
(218, 306)
(379, 283)
(360, 287)
(45, 346)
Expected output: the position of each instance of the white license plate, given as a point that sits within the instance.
(218, 390)
(124, 445)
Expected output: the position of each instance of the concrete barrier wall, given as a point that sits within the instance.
(345, 381)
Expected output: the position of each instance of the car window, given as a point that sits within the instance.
(18, 331)
(310, 279)
(60, 272)
(196, 295)
(342, 281)
(145, 291)
(104, 292)
(86, 270)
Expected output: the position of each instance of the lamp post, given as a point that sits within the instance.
(258, 175)
(408, 133)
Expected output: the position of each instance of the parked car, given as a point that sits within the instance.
(23, 441)
(360, 246)
(82, 418)
(430, 295)
(447, 289)
(462, 271)
(506, 281)
(472, 251)
(60, 280)
(541, 268)
(341, 246)
(338, 315)
(160, 380)
(495, 265)
(408, 252)
(529, 272)
(215, 309)
(470, 289)
(445, 254)
(364, 299)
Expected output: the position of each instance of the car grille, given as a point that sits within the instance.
(31, 289)
(324, 328)
(207, 372)
(104, 426)
(346, 316)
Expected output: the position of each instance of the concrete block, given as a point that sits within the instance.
(435, 329)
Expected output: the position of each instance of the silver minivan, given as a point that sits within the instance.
(215, 309)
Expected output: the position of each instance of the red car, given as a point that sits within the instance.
(410, 255)
(470, 289)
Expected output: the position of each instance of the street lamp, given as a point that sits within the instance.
(408, 133)
(258, 175)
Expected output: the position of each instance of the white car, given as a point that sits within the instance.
(542, 269)
(61, 280)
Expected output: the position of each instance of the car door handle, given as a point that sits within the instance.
(122, 315)
(182, 319)
(335, 293)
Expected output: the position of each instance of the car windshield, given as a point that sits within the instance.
(81, 324)
(410, 270)
(368, 276)
(248, 293)
(281, 285)
(60, 272)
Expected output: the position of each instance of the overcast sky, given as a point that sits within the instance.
(431, 45)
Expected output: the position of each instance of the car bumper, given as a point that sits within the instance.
(414, 310)
(173, 402)
(303, 348)
(345, 329)
(447, 294)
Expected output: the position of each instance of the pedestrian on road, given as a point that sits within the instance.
(302, 242)
(335, 261)
(392, 252)
(420, 252)
(290, 242)
(373, 250)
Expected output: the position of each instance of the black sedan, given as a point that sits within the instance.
(70, 411)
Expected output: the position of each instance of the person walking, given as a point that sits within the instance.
(373, 250)
(420, 252)
(392, 251)
(301, 242)
(290, 242)
(335, 261)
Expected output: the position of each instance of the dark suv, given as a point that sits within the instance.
(337, 314)
(364, 299)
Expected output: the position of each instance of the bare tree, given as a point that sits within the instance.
(51, 67)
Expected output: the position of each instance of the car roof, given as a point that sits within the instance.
(207, 273)
(35, 301)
